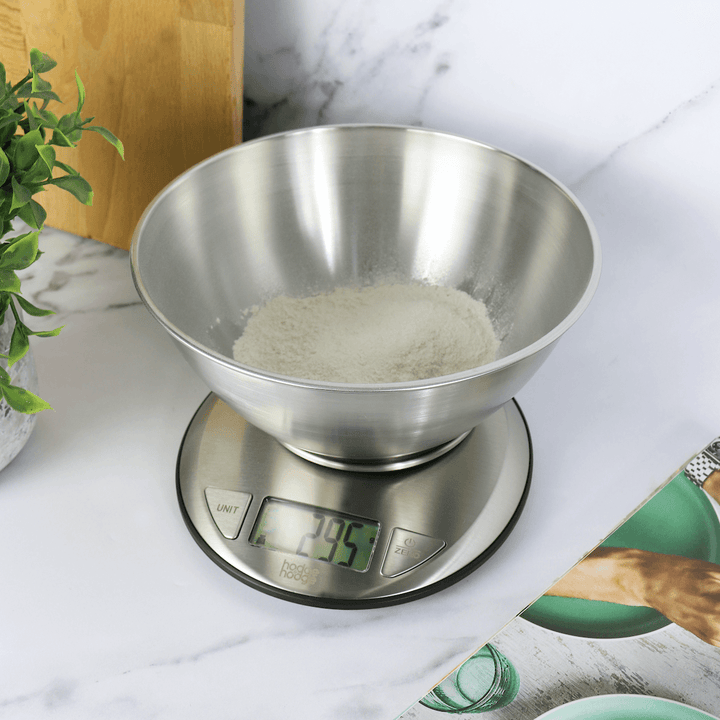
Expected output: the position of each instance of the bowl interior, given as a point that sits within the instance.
(309, 211)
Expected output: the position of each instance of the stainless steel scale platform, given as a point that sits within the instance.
(349, 539)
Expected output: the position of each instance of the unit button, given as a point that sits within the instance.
(228, 508)
(407, 550)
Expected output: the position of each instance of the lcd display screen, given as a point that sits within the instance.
(313, 532)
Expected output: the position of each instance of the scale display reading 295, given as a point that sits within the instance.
(313, 532)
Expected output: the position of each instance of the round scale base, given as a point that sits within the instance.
(424, 528)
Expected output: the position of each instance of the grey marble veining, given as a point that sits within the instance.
(77, 275)
(562, 85)
(707, 95)
(346, 56)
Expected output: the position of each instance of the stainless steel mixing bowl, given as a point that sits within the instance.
(311, 210)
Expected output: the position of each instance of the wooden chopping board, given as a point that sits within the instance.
(165, 77)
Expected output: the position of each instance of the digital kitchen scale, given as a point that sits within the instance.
(340, 538)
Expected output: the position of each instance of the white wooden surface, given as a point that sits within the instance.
(556, 669)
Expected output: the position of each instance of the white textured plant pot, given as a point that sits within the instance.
(15, 427)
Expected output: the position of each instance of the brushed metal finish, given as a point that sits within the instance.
(466, 499)
(310, 210)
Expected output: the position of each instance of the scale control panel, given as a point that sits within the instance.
(318, 534)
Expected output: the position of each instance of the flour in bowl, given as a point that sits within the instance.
(378, 334)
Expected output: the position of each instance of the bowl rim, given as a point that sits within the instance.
(628, 699)
(489, 368)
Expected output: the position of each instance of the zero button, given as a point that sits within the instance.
(407, 550)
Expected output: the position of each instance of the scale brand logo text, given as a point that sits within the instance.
(299, 572)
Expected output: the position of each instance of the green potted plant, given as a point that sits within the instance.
(29, 133)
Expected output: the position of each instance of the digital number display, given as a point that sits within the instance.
(312, 532)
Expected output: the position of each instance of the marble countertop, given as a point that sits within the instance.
(108, 607)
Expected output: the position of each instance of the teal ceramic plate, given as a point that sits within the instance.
(625, 707)
(679, 520)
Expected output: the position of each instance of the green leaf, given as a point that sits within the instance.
(60, 139)
(77, 186)
(21, 252)
(33, 214)
(23, 400)
(110, 138)
(21, 195)
(69, 123)
(39, 84)
(3, 78)
(40, 62)
(47, 153)
(10, 101)
(38, 117)
(35, 177)
(69, 170)
(31, 309)
(26, 149)
(4, 374)
(49, 118)
(47, 333)
(4, 166)
(9, 118)
(19, 344)
(4, 302)
(9, 281)
(81, 91)
(65, 123)
(7, 129)
(33, 122)
(27, 92)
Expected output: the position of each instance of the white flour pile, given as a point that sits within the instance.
(379, 334)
